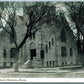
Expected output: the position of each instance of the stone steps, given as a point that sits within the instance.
(26, 64)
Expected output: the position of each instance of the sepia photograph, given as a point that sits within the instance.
(42, 39)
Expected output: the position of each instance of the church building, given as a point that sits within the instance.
(53, 45)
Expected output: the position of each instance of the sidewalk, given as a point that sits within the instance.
(52, 69)
(71, 67)
(42, 70)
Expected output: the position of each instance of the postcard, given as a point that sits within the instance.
(43, 40)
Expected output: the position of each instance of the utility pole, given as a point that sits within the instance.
(42, 51)
(41, 40)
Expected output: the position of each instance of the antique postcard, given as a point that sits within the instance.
(41, 39)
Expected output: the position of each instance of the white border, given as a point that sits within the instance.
(46, 80)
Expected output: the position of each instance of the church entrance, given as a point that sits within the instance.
(42, 54)
(32, 53)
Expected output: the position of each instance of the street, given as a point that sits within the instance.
(42, 73)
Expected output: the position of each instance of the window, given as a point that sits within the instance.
(53, 63)
(4, 53)
(33, 53)
(65, 63)
(4, 64)
(47, 63)
(11, 64)
(49, 45)
(42, 54)
(50, 63)
(13, 52)
(71, 52)
(63, 36)
(46, 49)
(63, 51)
(62, 63)
(52, 41)
(71, 62)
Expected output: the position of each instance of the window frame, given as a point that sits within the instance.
(63, 51)
(4, 53)
(71, 52)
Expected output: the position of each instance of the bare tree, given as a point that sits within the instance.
(37, 15)
(76, 10)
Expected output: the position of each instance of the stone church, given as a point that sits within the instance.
(54, 44)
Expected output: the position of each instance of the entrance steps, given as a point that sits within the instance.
(31, 64)
(27, 64)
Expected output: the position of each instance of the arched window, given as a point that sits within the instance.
(63, 36)
(46, 49)
(49, 45)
